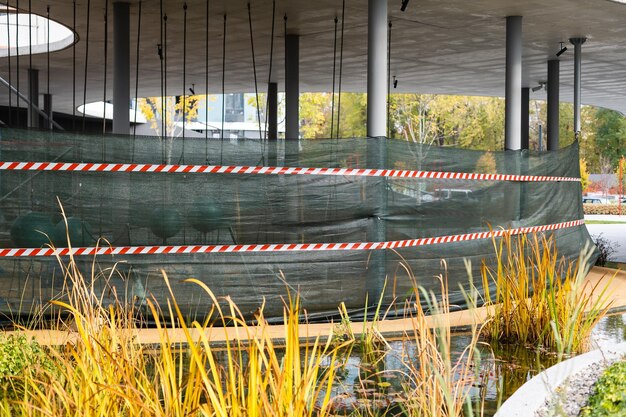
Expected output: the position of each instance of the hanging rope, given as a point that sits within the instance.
(104, 92)
(74, 67)
(48, 64)
(256, 87)
(332, 105)
(223, 92)
(206, 86)
(388, 78)
(343, 14)
(17, 61)
(165, 72)
(9, 63)
(136, 79)
(160, 52)
(86, 63)
(269, 76)
(184, 76)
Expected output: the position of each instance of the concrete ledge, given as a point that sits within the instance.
(532, 395)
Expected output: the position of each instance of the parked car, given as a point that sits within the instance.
(593, 200)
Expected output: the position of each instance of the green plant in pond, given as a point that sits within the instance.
(609, 396)
(535, 298)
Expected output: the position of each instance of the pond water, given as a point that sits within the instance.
(501, 373)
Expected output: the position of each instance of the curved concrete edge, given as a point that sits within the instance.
(533, 394)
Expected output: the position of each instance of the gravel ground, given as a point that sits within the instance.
(573, 394)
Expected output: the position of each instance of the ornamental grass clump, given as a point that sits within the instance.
(104, 371)
(534, 297)
(439, 381)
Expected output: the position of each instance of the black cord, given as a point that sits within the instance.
(223, 88)
(104, 93)
(206, 87)
(17, 60)
(389, 79)
(332, 103)
(343, 14)
(165, 72)
(136, 80)
(160, 52)
(86, 62)
(74, 67)
(9, 63)
(269, 76)
(182, 159)
(48, 64)
(256, 87)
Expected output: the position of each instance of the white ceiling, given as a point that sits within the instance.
(451, 47)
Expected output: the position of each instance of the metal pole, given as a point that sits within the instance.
(33, 97)
(578, 43)
(513, 91)
(553, 105)
(377, 68)
(525, 130)
(121, 68)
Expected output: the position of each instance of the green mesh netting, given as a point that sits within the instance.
(183, 209)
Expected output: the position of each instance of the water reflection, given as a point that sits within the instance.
(377, 388)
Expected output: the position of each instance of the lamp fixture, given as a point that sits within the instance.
(395, 82)
(562, 50)
(404, 4)
(191, 89)
(541, 86)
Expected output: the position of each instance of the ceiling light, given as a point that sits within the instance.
(541, 86)
(404, 4)
(562, 50)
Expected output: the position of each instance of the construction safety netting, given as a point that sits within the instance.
(246, 218)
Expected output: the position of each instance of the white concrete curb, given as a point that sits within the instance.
(532, 395)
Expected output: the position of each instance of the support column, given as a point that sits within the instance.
(553, 104)
(292, 87)
(47, 109)
(377, 68)
(578, 43)
(121, 68)
(272, 123)
(33, 97)
(513, 92)
(525, 132)
(292, 99)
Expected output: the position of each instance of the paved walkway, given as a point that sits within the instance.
(389, 328)
(614, 233)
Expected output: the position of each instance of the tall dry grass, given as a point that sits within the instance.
(534, 297)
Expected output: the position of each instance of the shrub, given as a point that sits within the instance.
(608, 209)
(18, 358)
(609, 396)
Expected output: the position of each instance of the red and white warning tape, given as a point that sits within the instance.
(283, 247)
(262, 170)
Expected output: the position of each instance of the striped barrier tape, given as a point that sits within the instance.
(283, 247)
(262, 170)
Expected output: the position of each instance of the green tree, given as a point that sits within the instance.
(610, 135)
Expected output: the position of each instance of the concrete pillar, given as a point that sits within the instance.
(47, 109)
(33, 97)
(121, 68)
(377, 68)
(272, 123)
(292, 87)
(513, 91)
(525, 132)
(578, 43)
(553, 105)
